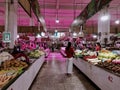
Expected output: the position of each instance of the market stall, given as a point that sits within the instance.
(25, 80)
(103, 70)
(17, 72)
(104, 79)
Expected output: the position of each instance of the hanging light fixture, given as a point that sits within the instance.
(38, 36)
(57, 21)
(94, 36)
(74, 34)
(57, 7)
(42, 34)
(105, 16)
(18, 36)
(81, 34)
(117, 20)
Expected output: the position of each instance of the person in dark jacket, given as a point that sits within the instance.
(17, 53)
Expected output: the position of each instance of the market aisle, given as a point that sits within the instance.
(52, 76)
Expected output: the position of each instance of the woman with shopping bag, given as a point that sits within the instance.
(69, 53)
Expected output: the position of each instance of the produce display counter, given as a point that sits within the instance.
(103, 79)
(24, 81)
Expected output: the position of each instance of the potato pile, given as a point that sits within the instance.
(110, 66)
(6, 65)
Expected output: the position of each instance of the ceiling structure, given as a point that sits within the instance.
(114, 11)
(63, 10)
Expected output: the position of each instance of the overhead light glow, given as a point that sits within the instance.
(94, 36)
(74, 34)
(105, 18)
(117, 22)
(75, 21)
(18, 36)
(56, 31)
(57, 21)
(42, 34)
(38, 36)
(80, 34)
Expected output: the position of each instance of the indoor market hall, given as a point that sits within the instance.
(52, 76)
(59, 44)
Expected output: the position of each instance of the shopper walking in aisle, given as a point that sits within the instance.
(69, 53)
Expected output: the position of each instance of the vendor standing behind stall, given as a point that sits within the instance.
(69, 53)
(17, 53)
(97, 47)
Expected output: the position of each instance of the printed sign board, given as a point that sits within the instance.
(6, 37)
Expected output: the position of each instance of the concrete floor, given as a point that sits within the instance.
(52, 76)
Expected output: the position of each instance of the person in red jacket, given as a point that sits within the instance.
(69, 54)
(98, 47)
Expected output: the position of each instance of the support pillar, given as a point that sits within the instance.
(11, 20)
(103, 26)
